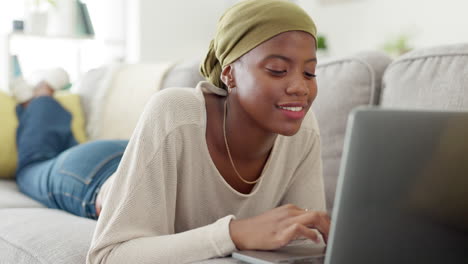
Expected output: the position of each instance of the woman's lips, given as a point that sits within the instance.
(293, 112)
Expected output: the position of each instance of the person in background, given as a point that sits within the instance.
(52, 167)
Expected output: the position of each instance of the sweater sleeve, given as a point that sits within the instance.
(306, 189)
(137, 223)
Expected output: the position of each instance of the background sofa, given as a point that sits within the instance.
(435, 78)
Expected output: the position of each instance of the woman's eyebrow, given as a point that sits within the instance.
(277, 56)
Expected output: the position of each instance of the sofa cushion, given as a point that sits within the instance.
(91, 90)
(184, 74)
(43, 236)
(11, 197)
(343, 84)
(115, 96)
(39, 235)
(435, 78)
(72, 103)
(8, 123)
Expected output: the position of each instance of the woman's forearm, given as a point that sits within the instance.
(194, 245)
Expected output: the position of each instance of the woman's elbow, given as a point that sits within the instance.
(99, 255)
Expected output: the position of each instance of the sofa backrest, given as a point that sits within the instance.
(114, 96)
(183, 74)
(430, 78)
(344, 84)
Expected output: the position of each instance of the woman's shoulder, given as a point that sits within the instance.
(176, 96)
(188, 96)
(176, 106)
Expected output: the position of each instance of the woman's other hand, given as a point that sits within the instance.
(277, 227)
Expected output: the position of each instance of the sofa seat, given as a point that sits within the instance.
(11, 197)
(42, 235)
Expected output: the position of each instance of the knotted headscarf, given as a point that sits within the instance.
(246, 25)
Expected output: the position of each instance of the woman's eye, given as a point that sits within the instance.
(275, 72)
(310, 75)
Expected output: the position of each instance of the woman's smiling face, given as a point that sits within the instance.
(275, 82)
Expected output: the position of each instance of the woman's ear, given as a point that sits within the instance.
(227, 76)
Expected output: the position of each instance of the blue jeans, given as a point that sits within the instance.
(52, 167)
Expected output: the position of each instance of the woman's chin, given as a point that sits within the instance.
(289, 130)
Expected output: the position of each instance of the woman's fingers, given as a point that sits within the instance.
(314, 219)
(288, 211)
(278, 227)
(295, 231)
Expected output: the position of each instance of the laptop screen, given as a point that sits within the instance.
(402, 195)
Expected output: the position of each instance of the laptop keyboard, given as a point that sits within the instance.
(301, 242)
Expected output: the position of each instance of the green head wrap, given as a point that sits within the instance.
(246, 25)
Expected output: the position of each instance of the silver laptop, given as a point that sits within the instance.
(299, 251)
(402, 193)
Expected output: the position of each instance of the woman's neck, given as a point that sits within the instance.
(247, 140)
(249, 146)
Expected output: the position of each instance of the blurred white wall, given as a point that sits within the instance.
(354, 25)
(171, 30)
(155, 30)
(9, 10)
(176, 29)
(109, 18)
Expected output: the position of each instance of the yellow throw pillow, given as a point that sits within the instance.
(72, 103)
(9, 123)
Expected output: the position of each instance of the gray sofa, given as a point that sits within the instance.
(435, 78)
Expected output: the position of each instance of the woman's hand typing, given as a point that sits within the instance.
(277, 227)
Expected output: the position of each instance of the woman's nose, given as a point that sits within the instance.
(298, 87)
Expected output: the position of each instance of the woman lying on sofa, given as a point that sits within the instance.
(232, 164)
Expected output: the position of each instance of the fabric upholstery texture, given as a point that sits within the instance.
(435, 78)
(40, 235)
(183, 74)
(92, 88)
(343, 85)
(11, 197)
(9, 123)
(125, 98)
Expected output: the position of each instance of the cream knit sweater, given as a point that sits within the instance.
(169, 204)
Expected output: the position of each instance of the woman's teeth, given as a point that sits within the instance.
(294, 109)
